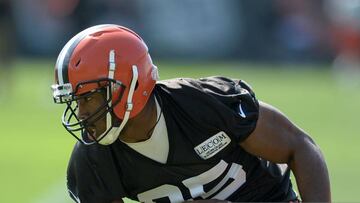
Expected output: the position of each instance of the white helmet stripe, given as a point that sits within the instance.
(112, 67)
(65, 54)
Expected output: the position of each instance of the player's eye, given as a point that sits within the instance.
(83, 100)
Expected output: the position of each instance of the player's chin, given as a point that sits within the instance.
(97, 135)
(91, 135)
(96, 130)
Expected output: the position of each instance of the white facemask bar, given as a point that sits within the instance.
(113, 134)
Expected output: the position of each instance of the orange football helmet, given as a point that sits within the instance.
(107, 57)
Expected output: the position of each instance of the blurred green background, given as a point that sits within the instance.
(34, 147)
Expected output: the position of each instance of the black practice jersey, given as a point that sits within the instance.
(206, 119)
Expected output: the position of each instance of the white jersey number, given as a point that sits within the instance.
(196, 185)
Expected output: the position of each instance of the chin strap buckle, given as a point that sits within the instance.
(129, 106)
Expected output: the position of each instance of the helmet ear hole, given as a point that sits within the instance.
(136, 85)
(77, 63)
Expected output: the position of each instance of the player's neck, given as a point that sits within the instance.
(138, 128)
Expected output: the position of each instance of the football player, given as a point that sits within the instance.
(176, 140)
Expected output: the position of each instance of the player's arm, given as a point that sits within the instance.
(277, 139)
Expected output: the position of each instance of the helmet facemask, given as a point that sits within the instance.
(83, 128)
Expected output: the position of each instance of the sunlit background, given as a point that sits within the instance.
(302, 56)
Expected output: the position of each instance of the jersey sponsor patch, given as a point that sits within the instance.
(213, 145)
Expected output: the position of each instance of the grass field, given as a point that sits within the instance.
(34, 147)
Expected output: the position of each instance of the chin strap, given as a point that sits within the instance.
(112, 133)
